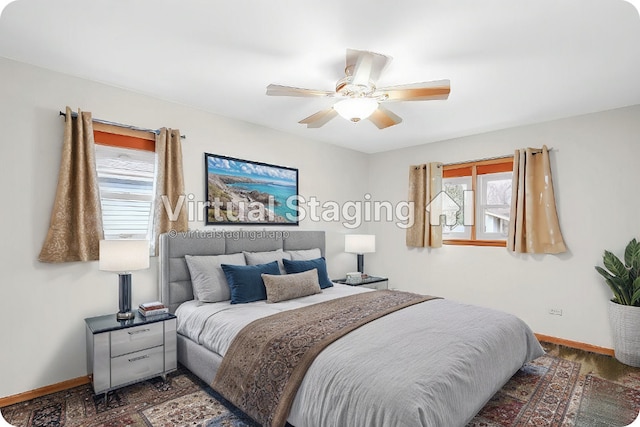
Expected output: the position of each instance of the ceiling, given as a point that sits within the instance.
(510, 62)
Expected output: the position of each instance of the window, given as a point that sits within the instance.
(454, 221)
(125, 163)
(482, 195)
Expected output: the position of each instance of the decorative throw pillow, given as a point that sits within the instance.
(207, 278)
(255, 258)
(305, 254)
(246, 282)
(300, 266)
(290, 286)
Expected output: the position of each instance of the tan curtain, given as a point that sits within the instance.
(425, 182)
(534, 226)
(75, 228)
(171, 203)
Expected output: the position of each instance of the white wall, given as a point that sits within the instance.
(42, 305)
(596, 176)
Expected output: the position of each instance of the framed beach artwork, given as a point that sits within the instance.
(246, 192)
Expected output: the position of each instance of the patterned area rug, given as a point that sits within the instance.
(605, 403)
(549, 391)
(183, 400)
(545, 392)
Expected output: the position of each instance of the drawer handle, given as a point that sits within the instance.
(135, 359)
(139, 331)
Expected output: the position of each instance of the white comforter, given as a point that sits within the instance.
(432, 364)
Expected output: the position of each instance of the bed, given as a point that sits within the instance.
(444, 366)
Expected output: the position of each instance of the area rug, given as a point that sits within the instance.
(606, 403)
(550, 391)
(545, 392)
(183, 400)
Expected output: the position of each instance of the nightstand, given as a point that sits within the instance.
(123, 352)
(371, 282)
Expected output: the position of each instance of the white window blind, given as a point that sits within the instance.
(126, 178)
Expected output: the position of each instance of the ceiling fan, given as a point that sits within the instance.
(359, 98)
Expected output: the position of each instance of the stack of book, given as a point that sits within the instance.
(152, 308)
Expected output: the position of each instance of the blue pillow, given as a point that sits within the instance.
(305, 265)
(246, 282)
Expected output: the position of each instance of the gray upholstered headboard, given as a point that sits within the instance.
(175, 280)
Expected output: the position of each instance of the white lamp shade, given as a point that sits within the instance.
(360, 243)
(356, 109)
(124, 255)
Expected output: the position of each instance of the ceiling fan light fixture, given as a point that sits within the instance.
(356, 109)
(357, 95)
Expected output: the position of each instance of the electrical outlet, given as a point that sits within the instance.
(555, 311)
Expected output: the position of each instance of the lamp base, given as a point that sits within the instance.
(361, 263)
(125, 315)
(124, 286)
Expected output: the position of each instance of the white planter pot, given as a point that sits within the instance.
(625, 328)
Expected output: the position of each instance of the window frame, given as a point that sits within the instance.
(126, 138)
(483, 183)
(474, 169)
(461, 180)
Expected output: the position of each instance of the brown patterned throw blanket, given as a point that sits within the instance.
(265, 364)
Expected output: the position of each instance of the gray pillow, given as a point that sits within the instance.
(290, 286)
(305, 254)
(208, 280)
(256, 258)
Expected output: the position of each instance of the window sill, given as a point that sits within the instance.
(461, 242)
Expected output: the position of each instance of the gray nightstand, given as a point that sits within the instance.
(371, 282)
(120, 353)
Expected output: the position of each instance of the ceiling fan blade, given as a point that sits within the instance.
(278, 90)
(365, 66)
(320, 118)
(438, 89)
(384, 118)
(362, 70)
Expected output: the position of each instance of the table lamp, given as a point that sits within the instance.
(360, 244)
(123, 257)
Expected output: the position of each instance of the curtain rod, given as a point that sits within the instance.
(537, 151)
(105, 122)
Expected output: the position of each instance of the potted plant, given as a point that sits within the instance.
(624, 308)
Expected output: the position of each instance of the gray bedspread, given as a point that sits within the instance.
(434, 364)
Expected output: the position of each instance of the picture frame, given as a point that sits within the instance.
(245, 192)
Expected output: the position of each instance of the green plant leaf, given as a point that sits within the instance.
(621, 289)
(632, 259)
(632, 255)
(617, 287)
(635, 262)
(603, 272)
(635, 299)
(623, 278)
(615, 266)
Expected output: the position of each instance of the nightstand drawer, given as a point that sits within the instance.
(135, 366)
(122, 353)
(138, 338)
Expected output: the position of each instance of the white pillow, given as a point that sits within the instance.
(208, 280)
(305, 254)
(255, 258)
